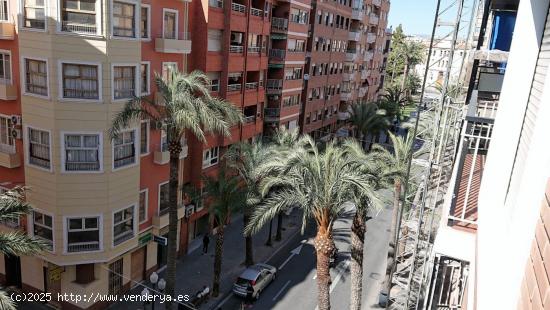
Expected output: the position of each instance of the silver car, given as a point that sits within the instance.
(258, 275)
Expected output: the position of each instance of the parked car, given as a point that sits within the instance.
(258, 275)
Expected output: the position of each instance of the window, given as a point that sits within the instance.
(296, 45)
(298, 16)
(214, 81)
(144, 137)
(82, 152)
(210, 157)
(144, 26)
(7, 144)
(124, 82)
(39, 148)
(5, 68)
(80, 81)
(79, 16)
(167, 69)
(124, 19)
(34, 14)
(43, 228)
(83, 234)
(293, 74)
(145, 72)
(214, 40)
(170, 24)
(143, 203)
(163, 198)
(124, 149)
(123, 225)
(4, 14)
(254, 43)
(36, 77)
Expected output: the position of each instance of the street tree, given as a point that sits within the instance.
(186, 105)
(12, 207)
(319, 183)
(225, 196)
(367, 119)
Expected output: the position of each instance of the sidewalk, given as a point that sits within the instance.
(195, 270)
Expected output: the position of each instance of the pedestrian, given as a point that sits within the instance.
(205, 241)
(249, 294)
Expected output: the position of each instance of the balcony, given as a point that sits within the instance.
(252, 85)
(254, 49)
(83, 246)
(272, 114)
(256, 12)
(8, 91)
(84, 28)
(277, 54)
(373, 19)
(368, 56)
(279, 24)
(160, 219)
(234, 87)
(238, 7)
(364, 74)
(354, 35)
(377, 3)
(481, 109)
(348, 76)
(215, 3)
(342, 116)
(351, 56)
(274, 86)
(250, 119)
(345, 96)
(371, 37)
(357, 14)
(7, 31)
(236, 49)
(9, 157)
(180, 45)
(363, 91)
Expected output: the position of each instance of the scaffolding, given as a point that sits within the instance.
(420, 210)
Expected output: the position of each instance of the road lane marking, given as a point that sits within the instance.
(339, 275)
(225, 300)
(281, 291)
(315, 276)
(294, 252)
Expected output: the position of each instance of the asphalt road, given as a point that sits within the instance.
(295, 286)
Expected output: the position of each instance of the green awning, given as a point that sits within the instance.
(276, 66)
(278, 36)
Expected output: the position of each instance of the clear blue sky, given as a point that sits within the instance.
(416, 16)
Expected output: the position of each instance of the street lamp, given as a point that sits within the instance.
(157, 283)
(145, 293)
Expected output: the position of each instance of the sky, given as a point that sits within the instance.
(416, 16)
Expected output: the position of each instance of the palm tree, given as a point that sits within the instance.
(186, 106)
(367, 118)
(225, 196)
(374, 166)
(413, 53)
(397, 164)
(245, 158)
(12, 206)
(319, 184)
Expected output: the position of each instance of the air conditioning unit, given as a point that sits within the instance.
(236, 37)
(15, 133)
(16, 120)
(189, 210)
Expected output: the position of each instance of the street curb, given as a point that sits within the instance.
(282, 245)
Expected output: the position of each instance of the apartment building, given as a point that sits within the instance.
(491, 250)
(346, 59)
(67, 67)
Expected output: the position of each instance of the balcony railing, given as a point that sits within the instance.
(83, 246)
(254, 49)
(371, 37)
(351, 56)
(123, 237)
(277, 54)
(272, 112)
(377, 2)
(251, 85)
(354, 35)
(237, 49)
(78, 27)
(357, 13)
(234, 87)
(278, 23)
(373, 19)
(256, 12)
(274, 86)
(250, 119)
(238, 7)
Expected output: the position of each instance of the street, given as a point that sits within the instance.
(295, 286)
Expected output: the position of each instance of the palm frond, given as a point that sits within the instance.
(12, 204)
(6, 303)
(17, 243)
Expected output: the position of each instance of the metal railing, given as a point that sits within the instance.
(237, 49)
(277, 53)
(274, 84)
(256, 12)
(272, 112)
(78, 27)
(234, 87)
(377, 2)
(251, 85)
(83, 246)
(254, 49)
(7, 149)
(127, 235)
(250, 119)
(278, 23)
(238, 7)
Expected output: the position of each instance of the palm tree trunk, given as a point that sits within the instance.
(324, 246)
(172, 226)
(218, 261)
(279, 234)
(393, 235)
(268, 241)
(405, 76)
(249, 247)
(358, 229)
